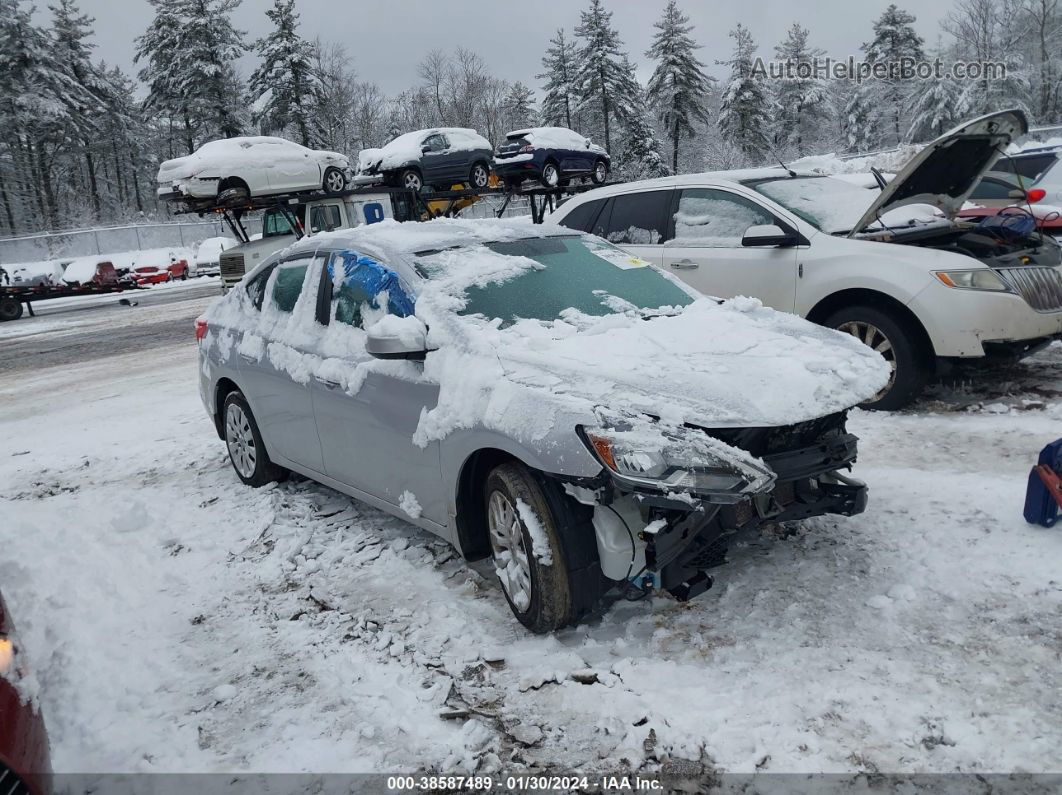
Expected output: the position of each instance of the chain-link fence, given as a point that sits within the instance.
(112, 239)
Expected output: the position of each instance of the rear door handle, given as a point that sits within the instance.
(684, 264)
(328, 384)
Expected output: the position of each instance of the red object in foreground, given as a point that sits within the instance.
(200, 329)
(1048, 218)
(1035, 195)
(25, 766)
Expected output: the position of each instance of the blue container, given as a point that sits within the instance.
(1040, 505)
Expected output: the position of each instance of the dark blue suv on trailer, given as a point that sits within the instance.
(552, 155)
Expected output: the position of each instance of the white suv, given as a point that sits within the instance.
(830, 251)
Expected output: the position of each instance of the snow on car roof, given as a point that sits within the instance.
(553, 137)
(406, 147)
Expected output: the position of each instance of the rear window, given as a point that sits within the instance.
(288, 283)
(639, 219)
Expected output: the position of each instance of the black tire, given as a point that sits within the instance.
(10, 309)
(600, 173)
(408, 176)
(263, 471)
(898, 343)
(479, 176)
(550, 176)
(334, 181)
(570, 584)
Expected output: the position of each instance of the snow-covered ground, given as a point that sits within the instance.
(177, 620)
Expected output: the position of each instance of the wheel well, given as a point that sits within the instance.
(221, 391)
(232, 182)
(886, 303)
(471, 512)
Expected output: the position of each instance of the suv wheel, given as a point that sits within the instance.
(543, 548)
(908, 362)
(10, 309)
(600, 173)
(335, 181)
(246, 450)
(411, 179)
(550, 175)
(479, 178)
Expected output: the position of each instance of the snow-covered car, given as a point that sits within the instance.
(536, 396)
(552, 155)
(90, 270)
(208, 255)
(998, 189)
(25, 762)
(943, 288)
(238, 168)
(440, 157)
(36, 274)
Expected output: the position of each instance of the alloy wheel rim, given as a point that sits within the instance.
(240, 440)
(335, 181)
(479, 176)
(600, 170)
(511, 562)
(873, 337)
(413, 181)
(550, 174)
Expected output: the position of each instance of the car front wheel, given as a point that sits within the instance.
(244, 441)
(909, 365)
(411, 179)
(600, 173)
(335, 181)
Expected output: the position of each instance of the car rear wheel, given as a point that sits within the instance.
(10, 309)
(550, 175)
(233, 190)
(908, 363)
(600, 173)
(411, 179)
(548, 580)
(335, 181)
(244, 441)
(479, 177)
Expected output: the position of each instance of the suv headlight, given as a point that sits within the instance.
(678, 459)
(980, 279)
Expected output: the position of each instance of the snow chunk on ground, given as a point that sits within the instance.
(409, 505)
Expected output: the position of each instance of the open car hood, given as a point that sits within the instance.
(945, 171)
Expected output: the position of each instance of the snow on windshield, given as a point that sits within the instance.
(714, 218)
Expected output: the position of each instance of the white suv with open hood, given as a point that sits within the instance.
(813, 244)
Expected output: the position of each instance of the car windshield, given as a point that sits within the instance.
(574, 272)
(830, 205)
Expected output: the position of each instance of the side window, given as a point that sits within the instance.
(256, 287)
(715, 219)
(288, 284)
(600, 227)
(989, 188)
(325, 218)
(639, 219)
(358, 290)
(582, 216)
(436, 143)
(274, 224)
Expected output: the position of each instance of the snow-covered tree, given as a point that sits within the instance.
(801, 98)
(678, 89)
(281, 87)
(641, 153)
(604, 75)
(933, 105)
(858, 123)
(745, 107)
(559, 70)
(886, 98)
(519, 106)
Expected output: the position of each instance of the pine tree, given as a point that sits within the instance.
(604, 75)
(281, 89)
(678, 90)
(560, 94)
(641, 156)
(801, 98)
(519, 106)
(158, 47)
(745, 108)
(894, 43)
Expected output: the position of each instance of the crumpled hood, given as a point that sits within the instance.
(945, 172)
(737, 364)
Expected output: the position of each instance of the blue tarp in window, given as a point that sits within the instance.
(363, 280)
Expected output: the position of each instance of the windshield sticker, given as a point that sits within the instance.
(614, 256)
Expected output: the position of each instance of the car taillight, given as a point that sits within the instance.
(527, 148)
(200, 329)
(1035, 195)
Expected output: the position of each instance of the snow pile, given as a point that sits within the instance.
(406, 149)
(555, 138)
(209, 251)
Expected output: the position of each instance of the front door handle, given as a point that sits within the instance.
(327, 384)
(684, 265)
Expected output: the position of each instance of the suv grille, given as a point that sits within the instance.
(1040, 287)
(232, 267)
(10, 783)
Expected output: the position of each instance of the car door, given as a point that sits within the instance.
(291, 167)
(704, 248)
(366, 417)
(436, 161)
(637, 222)
(271, 360)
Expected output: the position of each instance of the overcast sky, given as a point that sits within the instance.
(388, 38)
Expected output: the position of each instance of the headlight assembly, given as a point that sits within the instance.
(673, 459)
(980, 279)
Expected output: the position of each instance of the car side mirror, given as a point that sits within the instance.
(1016, 194)
(394, 337)
(767, 235)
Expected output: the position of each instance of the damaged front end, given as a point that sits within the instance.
(671, 496)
